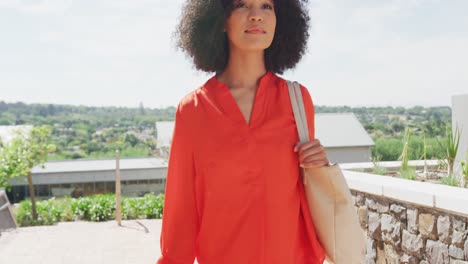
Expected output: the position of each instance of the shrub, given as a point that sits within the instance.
(152, 206)
(81, 207)
(91, 208)
(65, 204)
(149, 207)
(388, 149)
(94, 208)
(102, 208)
(48, 213)
(451, 149)
(23, 214)
(131, 208)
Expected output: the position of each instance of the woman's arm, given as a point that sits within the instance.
(180, 218)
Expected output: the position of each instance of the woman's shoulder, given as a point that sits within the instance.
(190, 102)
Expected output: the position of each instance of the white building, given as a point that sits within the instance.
(164, 130)
(343, 137)
(76, 178)
(460, 118)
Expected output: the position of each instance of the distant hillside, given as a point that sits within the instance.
(96, 132)
(92, 132)
(39, 114)
(391, 121)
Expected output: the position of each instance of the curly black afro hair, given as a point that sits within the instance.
(200, 34)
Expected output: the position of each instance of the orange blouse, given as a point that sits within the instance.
(233, 191)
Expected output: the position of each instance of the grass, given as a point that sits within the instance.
(409, 173)
(379, 170)
(450, 180)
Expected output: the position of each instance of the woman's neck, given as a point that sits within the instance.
(244, 70)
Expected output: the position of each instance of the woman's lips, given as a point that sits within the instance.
(255, 30)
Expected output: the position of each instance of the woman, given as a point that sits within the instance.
(233, 193)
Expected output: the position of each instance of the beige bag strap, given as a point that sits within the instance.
(297, 103)
(300, 117)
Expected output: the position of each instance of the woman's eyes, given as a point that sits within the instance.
(241, 4)
(267, 6)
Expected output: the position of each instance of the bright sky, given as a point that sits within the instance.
(120, 52)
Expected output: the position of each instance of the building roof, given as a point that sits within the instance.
(7, 133)
(341, 130)
(100, 165)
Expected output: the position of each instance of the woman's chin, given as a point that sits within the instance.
(254, 47)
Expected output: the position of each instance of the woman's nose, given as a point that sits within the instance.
(255, 15)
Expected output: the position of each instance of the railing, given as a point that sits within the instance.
(7, 218)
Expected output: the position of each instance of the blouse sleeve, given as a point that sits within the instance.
(180, 218)
(310, 112)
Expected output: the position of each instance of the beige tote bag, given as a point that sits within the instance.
(329, 199)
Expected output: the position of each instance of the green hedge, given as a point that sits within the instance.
(90, 208)
(389, 149)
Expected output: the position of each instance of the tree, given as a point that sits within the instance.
(397, 126)
(131, 139)
(22, 154)
(142, 109)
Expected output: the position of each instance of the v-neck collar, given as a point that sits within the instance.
(228, 105)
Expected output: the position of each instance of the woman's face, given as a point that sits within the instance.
(251, 25)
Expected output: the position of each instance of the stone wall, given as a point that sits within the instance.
(404, 233)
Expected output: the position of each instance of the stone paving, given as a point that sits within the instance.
(135, 242)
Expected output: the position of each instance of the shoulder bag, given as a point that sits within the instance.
(329, 200)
